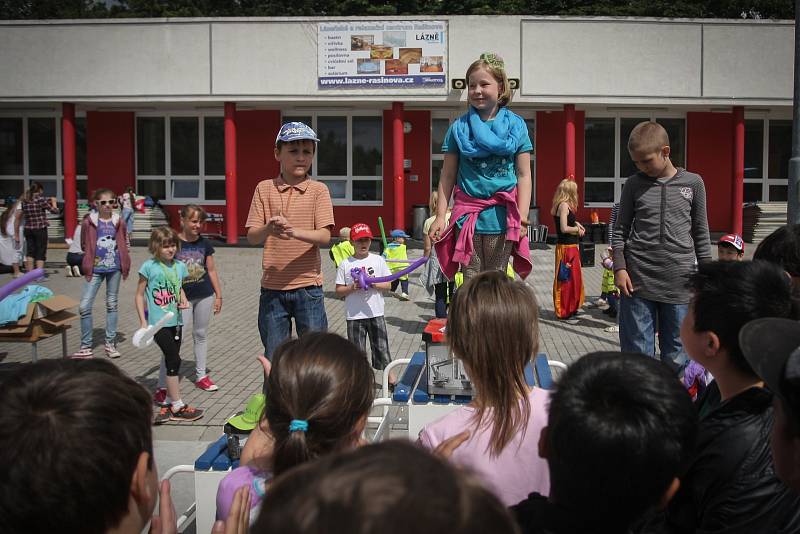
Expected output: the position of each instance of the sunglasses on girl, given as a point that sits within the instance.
(107, 202)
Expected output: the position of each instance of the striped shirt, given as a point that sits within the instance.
(291, 264)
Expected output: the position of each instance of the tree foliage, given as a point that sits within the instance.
(77, 9)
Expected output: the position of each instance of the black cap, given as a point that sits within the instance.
(772, 348)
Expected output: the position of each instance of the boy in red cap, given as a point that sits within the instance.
(730, 248)
(364, 305)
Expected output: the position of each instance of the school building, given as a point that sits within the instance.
(186, 110)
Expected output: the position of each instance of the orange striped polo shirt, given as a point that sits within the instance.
(290, 264)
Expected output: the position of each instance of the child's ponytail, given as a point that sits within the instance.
(319, 391)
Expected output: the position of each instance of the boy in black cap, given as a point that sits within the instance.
(772, 347)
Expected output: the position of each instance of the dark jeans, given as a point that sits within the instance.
(640, 319)
(444, 295)
(277, 308)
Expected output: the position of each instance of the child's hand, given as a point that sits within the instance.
(166, 520)
(446, 448)
(623, 281)
(279, 226)
(183, 304)
(217, 305)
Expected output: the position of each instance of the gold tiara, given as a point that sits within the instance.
(493, 59)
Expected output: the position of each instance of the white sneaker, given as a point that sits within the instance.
(76, 270)
(68, 271)
(404, 296)
(613, 329)
(111, 350)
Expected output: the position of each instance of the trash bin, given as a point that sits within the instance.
(420, 215)
(587, 253)
(533, 216)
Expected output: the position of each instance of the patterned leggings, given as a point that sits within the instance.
(491, 254)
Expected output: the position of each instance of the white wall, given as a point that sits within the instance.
(583, 61)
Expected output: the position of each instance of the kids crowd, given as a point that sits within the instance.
(618, 446)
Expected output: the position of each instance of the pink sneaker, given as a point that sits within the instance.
(83, 354)
(160, 397)
(206, 384)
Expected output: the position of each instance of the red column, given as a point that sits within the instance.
(737, 198)
(70, 184)
(231, 204)
(398, 152)
(569, 141)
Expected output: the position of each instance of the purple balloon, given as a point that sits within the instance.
(365, 282)
(22, 281)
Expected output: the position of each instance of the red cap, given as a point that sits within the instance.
(733, 239)
(360, 231)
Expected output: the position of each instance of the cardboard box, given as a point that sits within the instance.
(42, 319)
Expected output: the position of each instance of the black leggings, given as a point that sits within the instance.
(36, 240)
(168, 340)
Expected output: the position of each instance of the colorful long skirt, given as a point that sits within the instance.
(568, 295)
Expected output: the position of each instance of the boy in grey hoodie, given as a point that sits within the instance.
(660, 234)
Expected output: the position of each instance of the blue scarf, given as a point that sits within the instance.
(478, 139)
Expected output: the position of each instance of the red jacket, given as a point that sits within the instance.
(89, 244)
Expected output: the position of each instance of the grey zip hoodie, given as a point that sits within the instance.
(662, 228)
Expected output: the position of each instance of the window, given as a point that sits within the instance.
(349, 157)
(181, 158)
(30, 151)
(767, 149)
(606, 159)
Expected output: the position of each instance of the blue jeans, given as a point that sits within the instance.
(276, 308)
(90, 290)
(638, 318)
(127, 218)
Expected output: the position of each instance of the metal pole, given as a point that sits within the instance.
(793, 213)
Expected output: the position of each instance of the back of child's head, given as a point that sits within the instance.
(496, 67)
(71, 433)
(566, 191)
(648, 137)
(493, 327)
(727, 295)
(193, 210)
(391, 487)
(783, 248)
(320, 389)
(36, 188)
(620, 429)
(162, 236)
(344, 233)
(98, 193)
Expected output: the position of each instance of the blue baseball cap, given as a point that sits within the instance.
(399, 233)
(295, 131)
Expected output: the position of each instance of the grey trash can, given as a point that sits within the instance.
(533, 216)
(420, 215)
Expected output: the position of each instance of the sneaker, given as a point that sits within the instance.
(404, 296)
(83, 354)
(68, 271)
(162, 416)
(160, 397)
(76, 270)
(111, 351)
(613, 329)
(187, 413)
(206, 384)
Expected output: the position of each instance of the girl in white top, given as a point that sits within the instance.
(10, 249)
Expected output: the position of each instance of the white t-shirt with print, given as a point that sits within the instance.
(362, 304)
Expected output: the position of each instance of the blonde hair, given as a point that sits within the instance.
(162, 236)
(494, 65)
(649, 137)
(493, 327)
(344, 233)
(432, 203)
(567, 191)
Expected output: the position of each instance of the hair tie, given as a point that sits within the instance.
(493, 59)
(298, 424)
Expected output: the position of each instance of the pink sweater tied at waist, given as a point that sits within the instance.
(455, 248)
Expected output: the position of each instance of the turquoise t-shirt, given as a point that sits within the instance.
(163, 291)
(483, 177)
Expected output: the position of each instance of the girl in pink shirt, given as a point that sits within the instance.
(493, 329)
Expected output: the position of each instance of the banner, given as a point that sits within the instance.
(381, 54)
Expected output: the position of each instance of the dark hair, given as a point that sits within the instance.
(493, 327)
(102, 191)
(391, 487)
(620, 429)
(280, 144)
(725, 244)
(782, 247)
(33, 190)
(71, 433)
(322, 379)
(190, 209)
(4, 217)
(728, 295)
